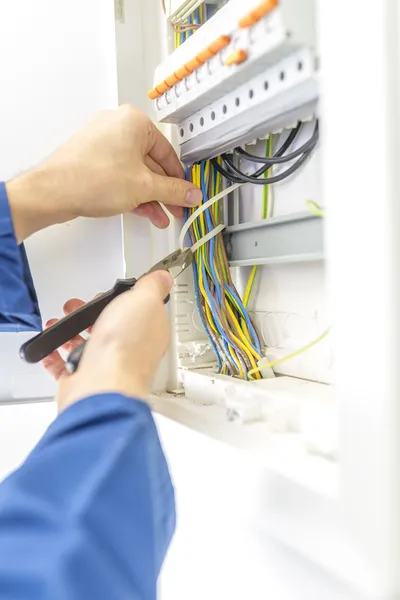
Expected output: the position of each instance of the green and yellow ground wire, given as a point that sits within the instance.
(264, 214)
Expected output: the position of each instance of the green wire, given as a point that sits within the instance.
(265, 190)
(264, 215)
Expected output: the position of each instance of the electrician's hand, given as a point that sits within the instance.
(125, 347)
(118, 163)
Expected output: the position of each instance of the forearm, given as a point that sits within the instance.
(35, 202)
(91, 512)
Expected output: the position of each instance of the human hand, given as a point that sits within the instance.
(118, 163)
(125, 348)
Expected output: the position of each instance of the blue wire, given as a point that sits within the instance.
(225, 340)
(212, 241)
(247, 319)
(197, 294)
(190, 22)
(199, 308)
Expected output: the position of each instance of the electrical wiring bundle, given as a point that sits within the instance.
(224, 315)
(225, 319)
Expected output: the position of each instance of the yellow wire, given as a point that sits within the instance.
(249, 350)
(245, 329)
(264, 214)
(249, 285)
(211, 319)
(237, 361)
(288, 356)
(315, 208)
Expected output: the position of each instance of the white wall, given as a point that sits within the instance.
(21, 427)
(58, 68)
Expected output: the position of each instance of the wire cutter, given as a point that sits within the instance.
(43, 344)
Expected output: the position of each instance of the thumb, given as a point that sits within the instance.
(174, 191)
(155, 286)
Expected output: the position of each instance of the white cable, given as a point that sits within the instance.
(207, 237)
(201, 209)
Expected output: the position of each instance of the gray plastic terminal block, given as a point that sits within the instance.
(293, 238)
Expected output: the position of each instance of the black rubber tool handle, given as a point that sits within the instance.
(43, 344)
(75, 356)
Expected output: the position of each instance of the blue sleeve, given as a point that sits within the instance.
(19, 309)
(90, 514)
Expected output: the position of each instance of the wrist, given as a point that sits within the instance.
(33, 203)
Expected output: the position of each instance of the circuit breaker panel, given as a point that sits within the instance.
(240, 88)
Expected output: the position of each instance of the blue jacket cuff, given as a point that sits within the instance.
(19, 308)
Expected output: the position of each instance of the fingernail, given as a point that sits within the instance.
(194, 197)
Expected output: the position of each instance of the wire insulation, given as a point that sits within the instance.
(271, 364)
(201, 209)
(207, 237)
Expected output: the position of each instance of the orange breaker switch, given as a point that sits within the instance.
(192, 65)
(248, 20)
(171, 80)
(264, 8)
(236, 58)
(153, 94)
(257, 13)
(181, 73)
(162, 87)
(219, 44)
(204, 55)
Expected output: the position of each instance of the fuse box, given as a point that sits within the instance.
(215, 106)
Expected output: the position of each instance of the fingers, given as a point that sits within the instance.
(161, 151)
(176, 211)
(154, 166)
(72, 305)
(128, 342)
(153, 212)
(174, 192)
(53, 363)
(156, 285)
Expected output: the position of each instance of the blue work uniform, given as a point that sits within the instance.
(91, 512)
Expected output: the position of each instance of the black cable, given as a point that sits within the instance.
(224, 173)
(289, 140)
(278, 158)
(285, 146)
(250, 179)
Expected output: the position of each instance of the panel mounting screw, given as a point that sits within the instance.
(232, 414)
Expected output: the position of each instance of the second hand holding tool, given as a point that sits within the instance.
(49, 340)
